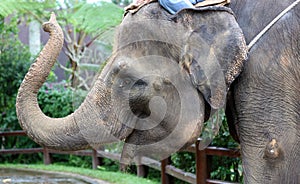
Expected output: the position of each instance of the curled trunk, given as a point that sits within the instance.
(87, 126)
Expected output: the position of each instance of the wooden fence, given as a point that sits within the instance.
(165, 166)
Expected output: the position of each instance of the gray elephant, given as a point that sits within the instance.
(153, 91)
(264, 103)
(168, 73)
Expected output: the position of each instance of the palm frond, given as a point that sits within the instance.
(8, 7)
(94, 18)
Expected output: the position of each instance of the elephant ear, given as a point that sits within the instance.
(214, 52)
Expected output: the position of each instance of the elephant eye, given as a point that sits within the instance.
(124, 82)
(140, 82)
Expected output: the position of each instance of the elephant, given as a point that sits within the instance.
(169, 73)
(263, 105)
(154, 88)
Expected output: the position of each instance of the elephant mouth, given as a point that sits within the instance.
(139, 103)
(142, 110)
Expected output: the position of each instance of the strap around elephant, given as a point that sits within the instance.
(259, 35)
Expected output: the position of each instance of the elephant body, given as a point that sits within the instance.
(169, 73)
(264, 105)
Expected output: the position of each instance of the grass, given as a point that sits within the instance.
(112, 177)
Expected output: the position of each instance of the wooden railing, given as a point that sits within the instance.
(165, 166)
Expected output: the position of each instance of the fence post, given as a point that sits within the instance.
(97, 161)
(141, 169)
(47, 156)
(165, 178)
(201, 165)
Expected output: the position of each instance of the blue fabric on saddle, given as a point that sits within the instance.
(173, 6)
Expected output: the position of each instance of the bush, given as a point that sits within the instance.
(14, 63)
(225, 168)
(54, 100)
(222, 168)
(57, 100)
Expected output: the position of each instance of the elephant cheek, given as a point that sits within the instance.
(167, 137)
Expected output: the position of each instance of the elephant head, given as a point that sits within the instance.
(166, 72)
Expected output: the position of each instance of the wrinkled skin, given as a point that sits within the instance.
(212, 65)
(156, 89)
(264, 105)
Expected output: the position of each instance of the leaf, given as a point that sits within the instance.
(94, 18)
(8, 7)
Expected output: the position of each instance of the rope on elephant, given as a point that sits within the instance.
(279, 16)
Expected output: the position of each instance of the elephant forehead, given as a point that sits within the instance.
(150, 66)
(157, 31)
(154, 19)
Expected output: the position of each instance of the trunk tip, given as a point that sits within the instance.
(52, 18)
(52, 24)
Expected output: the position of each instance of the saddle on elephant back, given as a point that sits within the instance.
(134, 7)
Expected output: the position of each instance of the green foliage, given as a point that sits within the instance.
(57, 100)
(231, 169)
(92, 19)
(88, 32)
(225, 168)
(8, 7)
(83, 24)
(109, 165)
(122, 2)
(72, 160)
(112, 177)
(184, 161)
(222, 168)
(14, 63)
